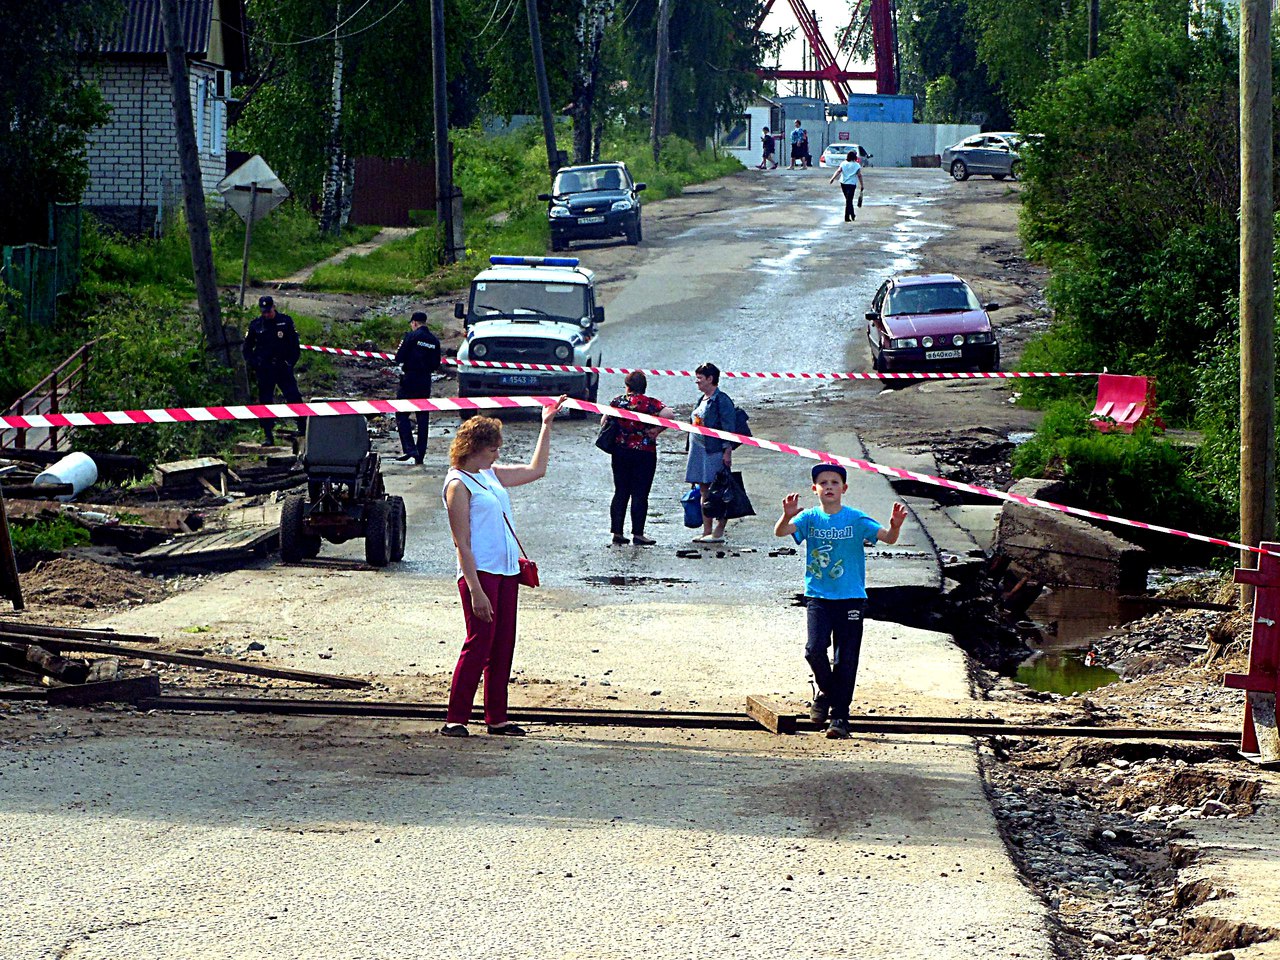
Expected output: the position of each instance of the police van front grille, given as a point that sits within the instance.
(519, 350)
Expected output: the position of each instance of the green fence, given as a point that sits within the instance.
(36, 275)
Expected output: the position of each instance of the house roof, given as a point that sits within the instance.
(212, 30)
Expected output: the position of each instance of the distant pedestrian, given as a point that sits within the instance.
(634, 460)
(417, 358)
(766, 151)
(271, 351)
(834, 586)
(804, 146)
(797, 145)
(484, 535)
(850, 174)
(709, 455)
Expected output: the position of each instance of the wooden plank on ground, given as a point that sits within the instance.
(771, 715)
(209, 663)
(164, 518)
(68, 671)
(188, 473)
(239, 544)
(130, 690)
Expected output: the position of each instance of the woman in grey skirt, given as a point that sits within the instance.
(709, 455)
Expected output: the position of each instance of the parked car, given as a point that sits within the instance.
(931, 322)
(996, 154)
(533, 310)
(593, 202)
(836, 152)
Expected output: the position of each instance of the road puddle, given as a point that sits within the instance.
(629, 581)
(1060, 627)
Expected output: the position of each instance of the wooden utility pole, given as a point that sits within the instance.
(662, 80)
(193, 186)
(1092, 50)
(1257, 298)
(440, 98)
(544, 92)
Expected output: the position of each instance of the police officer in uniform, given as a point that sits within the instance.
(271, 351)
(418, 358)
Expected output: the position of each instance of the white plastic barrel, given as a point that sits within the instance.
(77, 469)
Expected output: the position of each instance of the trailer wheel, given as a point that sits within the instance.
(296, 544)
(397, 527)
(376, 534)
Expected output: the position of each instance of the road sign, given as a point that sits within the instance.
(252, 190)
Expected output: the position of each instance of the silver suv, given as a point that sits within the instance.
(536, 310)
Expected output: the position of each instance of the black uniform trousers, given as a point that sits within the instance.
(414, 388)
(270, 378)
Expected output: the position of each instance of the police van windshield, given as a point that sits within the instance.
(509, 299)
(930, 298)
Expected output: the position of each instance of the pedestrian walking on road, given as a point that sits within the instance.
(417, 358)
(709, 455)
(850, 174)
(797, 146)
(634, 459)
(835, 588)
(766, 148)
(271, 351)
(480, 519)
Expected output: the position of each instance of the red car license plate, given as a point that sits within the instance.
(943, 354)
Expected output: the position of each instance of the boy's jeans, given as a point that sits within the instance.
(835, 623)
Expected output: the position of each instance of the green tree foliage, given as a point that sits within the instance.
(1131, 198)
(939, 64)
(48, 105)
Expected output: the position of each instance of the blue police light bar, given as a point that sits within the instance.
(534, 261)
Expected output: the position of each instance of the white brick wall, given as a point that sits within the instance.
(133, 159)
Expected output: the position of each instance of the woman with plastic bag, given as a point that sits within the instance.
(709, 455)
(634, 455)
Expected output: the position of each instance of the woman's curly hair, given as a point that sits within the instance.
(474, 434)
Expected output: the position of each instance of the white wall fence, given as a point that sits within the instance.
(890, 144)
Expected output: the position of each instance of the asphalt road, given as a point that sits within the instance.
(222, 837)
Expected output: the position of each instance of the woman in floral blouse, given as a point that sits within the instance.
(635, 459)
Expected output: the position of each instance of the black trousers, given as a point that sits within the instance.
(850, 191)
(633, 472)
(413, 389)
(837, 624)
(269, 379)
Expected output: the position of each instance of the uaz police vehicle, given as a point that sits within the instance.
(531, 310)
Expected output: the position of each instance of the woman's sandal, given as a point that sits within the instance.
(619, 540)
(640, 540)
(454, 730)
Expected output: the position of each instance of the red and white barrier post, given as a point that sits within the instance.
(1260, 738)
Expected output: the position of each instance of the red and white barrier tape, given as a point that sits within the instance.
(569, 368)
(334, 408)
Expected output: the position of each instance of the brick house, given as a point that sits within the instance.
(134, 176)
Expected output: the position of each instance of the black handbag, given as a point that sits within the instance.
(715, 503)
(607, 438)
(739, 504)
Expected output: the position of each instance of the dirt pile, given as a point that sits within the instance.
(68, 582)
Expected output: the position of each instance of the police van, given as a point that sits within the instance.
(536, 310)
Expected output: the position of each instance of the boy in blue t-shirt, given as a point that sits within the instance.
(835, 590)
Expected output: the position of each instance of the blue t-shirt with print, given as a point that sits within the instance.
(835, 565)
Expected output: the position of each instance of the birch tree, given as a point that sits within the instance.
(594, 17)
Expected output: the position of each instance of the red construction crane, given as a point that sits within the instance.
(879, 13)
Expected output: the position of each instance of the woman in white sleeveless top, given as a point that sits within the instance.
(488, 565)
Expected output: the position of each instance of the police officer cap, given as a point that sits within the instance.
(418, 317)
(264, 302)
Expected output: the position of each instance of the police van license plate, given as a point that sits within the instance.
(517, 380)
(591, 219)
(943, 354)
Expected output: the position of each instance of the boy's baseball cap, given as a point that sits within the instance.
(829, 467)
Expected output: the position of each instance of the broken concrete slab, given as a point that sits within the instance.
(1061, 550)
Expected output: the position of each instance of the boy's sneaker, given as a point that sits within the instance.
(839, 730)
(819, 709)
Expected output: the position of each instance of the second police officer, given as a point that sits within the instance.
(417, 358)
(271, 351)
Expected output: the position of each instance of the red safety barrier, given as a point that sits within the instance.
(1260, 739)
(1123, 402)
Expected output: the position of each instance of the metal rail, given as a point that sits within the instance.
(689, 720)
(46, 397)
